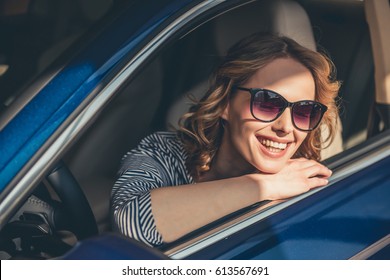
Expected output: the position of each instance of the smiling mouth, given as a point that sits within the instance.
(272, 146)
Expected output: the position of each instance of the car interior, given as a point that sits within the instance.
(178, 71)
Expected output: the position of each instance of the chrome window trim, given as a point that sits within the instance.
(373, 249)
(190, 247)
(35, 173)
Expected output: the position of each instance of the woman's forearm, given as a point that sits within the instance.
(182, 209)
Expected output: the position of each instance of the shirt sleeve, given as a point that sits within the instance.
(131, 201)
(158, 161)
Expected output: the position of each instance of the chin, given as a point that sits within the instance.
(270, 167)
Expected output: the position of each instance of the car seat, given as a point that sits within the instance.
(94, 160)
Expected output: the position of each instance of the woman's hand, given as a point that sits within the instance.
(298, 176)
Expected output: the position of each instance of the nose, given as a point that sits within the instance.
(284, 122)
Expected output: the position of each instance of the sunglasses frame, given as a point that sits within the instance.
(287, 104)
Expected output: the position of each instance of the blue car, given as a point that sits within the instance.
(80, 85)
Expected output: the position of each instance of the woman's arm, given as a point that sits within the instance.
(182, 209)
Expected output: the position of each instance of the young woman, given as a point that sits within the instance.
(254, 136)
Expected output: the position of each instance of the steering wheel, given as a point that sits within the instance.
(75, 203)
(38, 219)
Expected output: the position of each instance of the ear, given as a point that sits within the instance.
(225, 113)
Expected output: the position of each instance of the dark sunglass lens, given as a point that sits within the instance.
(267, 105)
(307, 115)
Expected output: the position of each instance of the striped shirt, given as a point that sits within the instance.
(158, 161)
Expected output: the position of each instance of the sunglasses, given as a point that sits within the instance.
(267, 106)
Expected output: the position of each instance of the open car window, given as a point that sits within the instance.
(339, 29)
(35, 33)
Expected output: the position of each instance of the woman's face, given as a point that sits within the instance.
(266, 146)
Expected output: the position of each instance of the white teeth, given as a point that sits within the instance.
(271, 144)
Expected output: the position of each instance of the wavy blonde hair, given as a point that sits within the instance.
(201, 129)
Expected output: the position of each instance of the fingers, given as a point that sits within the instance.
(316, 174)
(311, 168)
(316, 182)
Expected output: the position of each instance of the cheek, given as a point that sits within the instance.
(241, 121)
(239, 108)
(300, 137)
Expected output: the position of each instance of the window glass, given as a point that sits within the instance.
(35, 32)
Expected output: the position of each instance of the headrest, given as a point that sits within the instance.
(283, 17)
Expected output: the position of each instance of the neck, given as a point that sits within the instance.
(227, 163)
